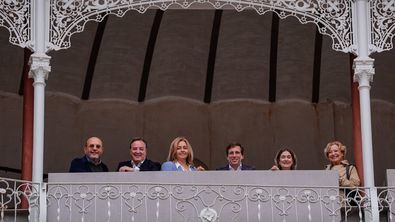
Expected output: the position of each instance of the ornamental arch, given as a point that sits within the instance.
(333, 19)
(63, 18)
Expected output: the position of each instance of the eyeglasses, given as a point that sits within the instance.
(94, 145)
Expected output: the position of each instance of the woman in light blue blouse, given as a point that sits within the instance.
(180, 156)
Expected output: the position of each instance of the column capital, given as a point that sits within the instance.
(363, 70)
(39, 66)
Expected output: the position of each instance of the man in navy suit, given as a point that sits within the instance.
(139, 161)
(235, 155)
(91, 161)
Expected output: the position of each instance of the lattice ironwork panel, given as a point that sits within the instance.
(333, 17)
(15, 15)
(383, 24)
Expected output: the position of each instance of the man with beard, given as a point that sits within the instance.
(91, 161)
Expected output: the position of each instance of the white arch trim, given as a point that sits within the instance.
(333, 17)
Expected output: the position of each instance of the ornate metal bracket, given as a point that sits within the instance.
(333, 17)
(15, 15)
(383, 24)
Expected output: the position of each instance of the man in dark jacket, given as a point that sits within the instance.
(235, 155)
(91, 161)
(139, 161)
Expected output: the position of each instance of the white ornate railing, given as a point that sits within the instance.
(190, 202)
(18, 199)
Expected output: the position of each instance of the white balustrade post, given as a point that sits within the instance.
(363, 74)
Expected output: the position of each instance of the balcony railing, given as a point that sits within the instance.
(18, 199)
(190, 198)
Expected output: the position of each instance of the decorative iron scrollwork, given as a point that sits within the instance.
(383, 24)
(333, 17)
(15, 15)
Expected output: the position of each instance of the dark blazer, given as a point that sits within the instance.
(148, 165)
(80, 165)
(243, 167)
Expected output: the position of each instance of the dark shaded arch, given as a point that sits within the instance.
(148, 55)
(315, 97)
(273, 58)
(92, 59)
(212, 56)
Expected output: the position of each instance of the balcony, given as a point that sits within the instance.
(196, 196)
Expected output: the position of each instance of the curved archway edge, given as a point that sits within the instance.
(69, 17)
(334, 18)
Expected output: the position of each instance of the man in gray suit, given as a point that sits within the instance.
(235, 155)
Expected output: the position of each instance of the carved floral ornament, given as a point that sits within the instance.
(333, 17)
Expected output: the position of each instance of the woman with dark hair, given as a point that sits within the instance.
(180, 156)
(285, 160)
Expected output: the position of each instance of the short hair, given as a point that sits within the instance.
(137, 139)
(293, 155)
(337, 143)
(234, 144)
(173, 150)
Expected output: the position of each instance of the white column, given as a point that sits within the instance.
(39, 70)
(363, 74)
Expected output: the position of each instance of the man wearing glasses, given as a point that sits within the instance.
(91, 161)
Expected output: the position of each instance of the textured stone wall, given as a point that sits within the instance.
(261, 127)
